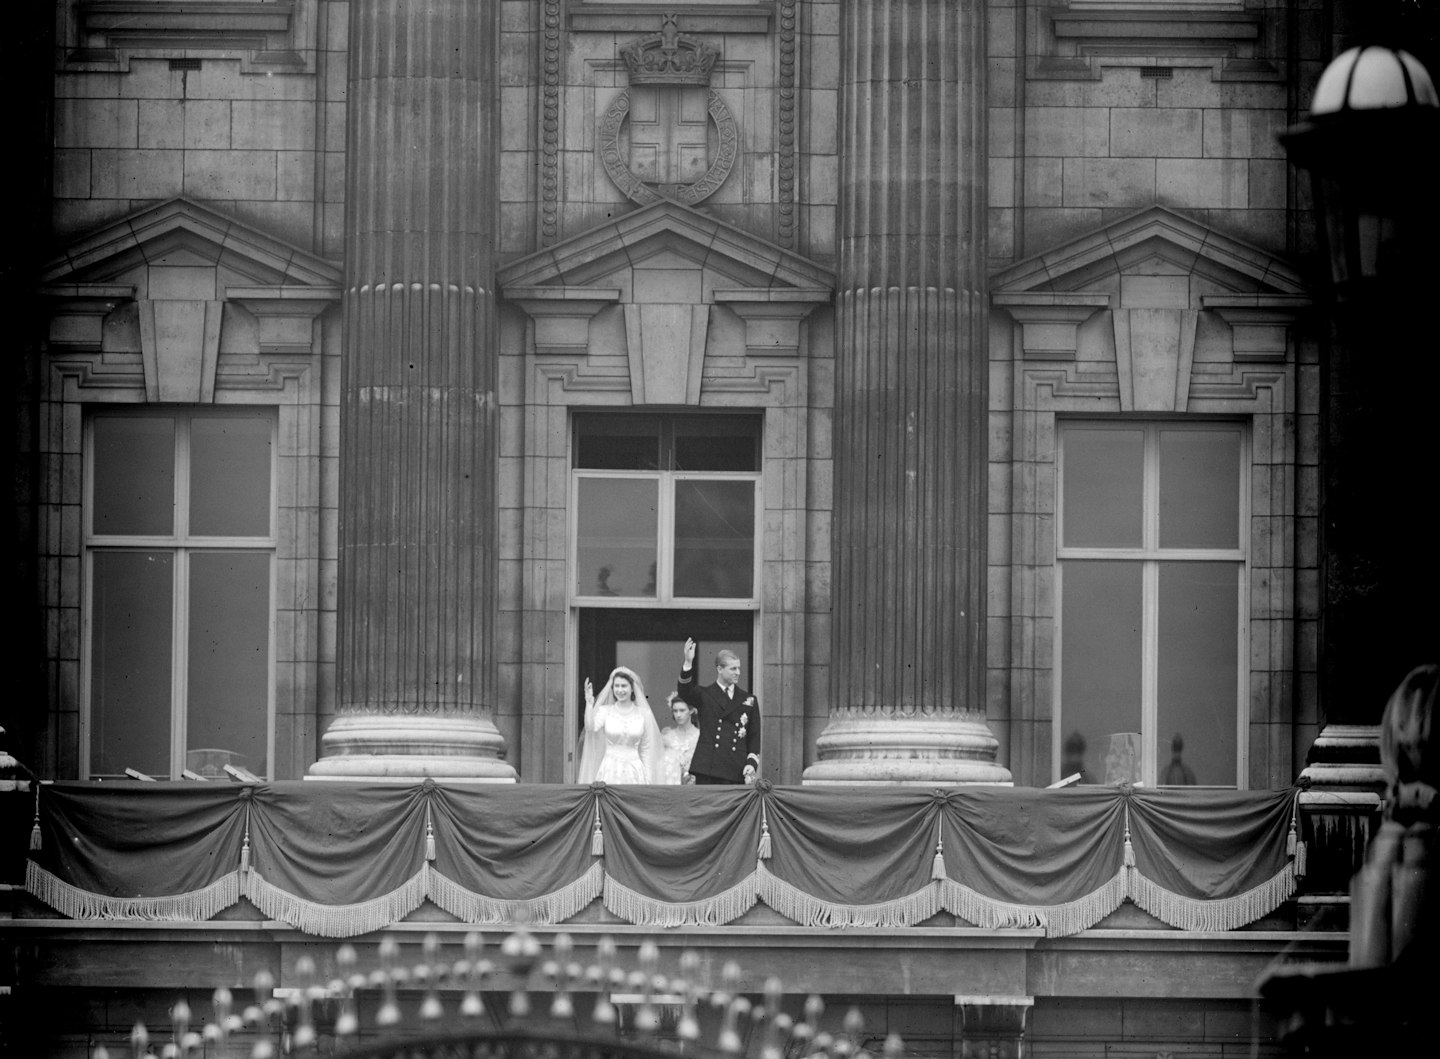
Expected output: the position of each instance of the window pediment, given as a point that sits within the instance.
(171, 281)
(666, 265)
(1153, 271)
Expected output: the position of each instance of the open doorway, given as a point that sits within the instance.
(651, 641)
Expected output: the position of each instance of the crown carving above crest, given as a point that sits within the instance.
(669, 57)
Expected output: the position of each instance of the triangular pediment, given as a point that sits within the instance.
(665, 237)
(183, 234)
(1154, 242)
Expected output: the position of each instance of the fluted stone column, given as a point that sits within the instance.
(417, 594)
(907, 676)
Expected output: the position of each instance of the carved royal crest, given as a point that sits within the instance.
(655, 138)
(669, 57)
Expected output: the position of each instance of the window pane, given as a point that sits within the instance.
(715, 539)
(1199, 488)
(230, 476)
(617, 443)
(228, 687)
(717, 443)
(615, 552)
(1100, 670)
(130, 662)
(134, 470)
(716, 454)
(1103, 483)
(1199, 657)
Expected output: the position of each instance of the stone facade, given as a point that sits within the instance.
(1149, 123)
(912, 279)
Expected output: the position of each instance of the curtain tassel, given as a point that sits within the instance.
(937, 864)
(1291, 840)
(1299, 860)
(429, 841)
(764, 852)
(245, 843)
(597, 839)
(1129, 859)
(35, 828)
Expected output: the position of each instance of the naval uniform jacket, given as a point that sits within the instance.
(721, 751)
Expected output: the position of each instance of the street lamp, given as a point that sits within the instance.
(1373, 122)
(1367, 143)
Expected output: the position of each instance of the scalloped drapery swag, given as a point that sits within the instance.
(336, 859)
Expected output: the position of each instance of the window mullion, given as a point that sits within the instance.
(179, 662)
(182, 478)
(1149, 669)
(665, 539)
(1150, 607)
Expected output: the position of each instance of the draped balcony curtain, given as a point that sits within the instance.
(337, 859)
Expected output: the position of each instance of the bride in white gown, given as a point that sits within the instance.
(621, 743)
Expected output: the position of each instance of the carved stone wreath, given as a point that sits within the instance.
(639, 191)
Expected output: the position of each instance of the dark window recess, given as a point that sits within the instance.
(184, 64)
(1157, 73)
(697, 442)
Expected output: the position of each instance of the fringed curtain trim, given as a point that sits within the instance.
(1057, 920)
(1224, 913)
(809, 911)
(336, 921)
(556, 907)
(637, 908)
(193, 907)
(1263, 863)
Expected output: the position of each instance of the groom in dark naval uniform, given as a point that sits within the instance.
(728, 717)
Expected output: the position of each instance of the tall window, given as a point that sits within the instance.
(1152, 589)
(664, 544)
(665, 509)
(179, 554)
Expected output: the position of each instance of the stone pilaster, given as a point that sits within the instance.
(907, 677)
(417, 594)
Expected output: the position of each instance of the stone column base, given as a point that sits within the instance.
(921, 751)
(399, 748)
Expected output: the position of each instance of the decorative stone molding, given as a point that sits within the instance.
(562, 315)
(1154, 233)
(180, 347)
(772, 317)
(666, 346)
(643, 192)
(665, 265)
(179, 258)
(590, 16)
(79, 311)
(260, 28)
(1050, 320)
(787, 138)
(1260, 323)
(550, 59)
(669, 57)
(1154, 352)
(1076, 36)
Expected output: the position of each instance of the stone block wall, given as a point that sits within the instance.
(259, 134)
(1092, 121)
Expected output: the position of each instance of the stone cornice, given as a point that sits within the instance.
(1154, 33)
(698, 17)
(262, 28)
